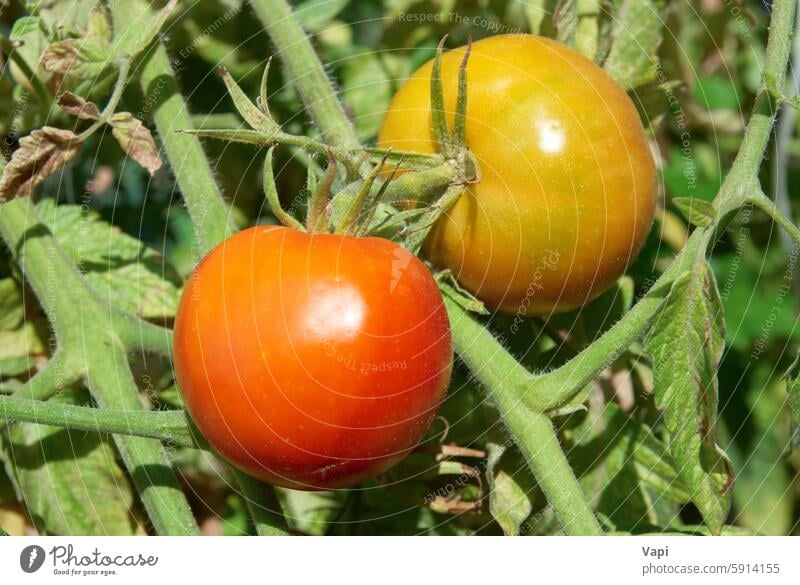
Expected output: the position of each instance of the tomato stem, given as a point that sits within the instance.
(357, 206)
(318, 216)
(533, 431)
(207, 208)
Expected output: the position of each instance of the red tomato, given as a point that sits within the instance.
(312, 361)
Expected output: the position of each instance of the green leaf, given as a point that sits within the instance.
(11, 309)
(751, 287)
(626, 468)
(29, 41)
(69, 480)
(121, 268)
(696, 211)
(28, 338)
(514, 492)
(756, 441)
(313, 15)
(70, 15)
(637, 34)
(686, 344)
(135, 39)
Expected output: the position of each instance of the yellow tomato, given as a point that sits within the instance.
(568, 184)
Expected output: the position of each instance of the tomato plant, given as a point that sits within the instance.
(312, 361)
(314, 357)
(567, 188)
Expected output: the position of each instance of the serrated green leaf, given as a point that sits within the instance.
(99, 27)
(696, 211)
(68, 15)
(686, 344)
(121, 268)
(29, 41)
(69, 480)
(637, 33)
(626, 468)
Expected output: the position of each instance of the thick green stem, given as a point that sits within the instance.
(533, 431)
(169, 425)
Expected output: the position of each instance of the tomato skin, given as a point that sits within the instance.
(311, 361)
(568, 184)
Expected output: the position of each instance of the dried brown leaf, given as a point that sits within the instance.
(136, 140)
(77, 106)
(39, 155)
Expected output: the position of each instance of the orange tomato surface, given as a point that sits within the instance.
(568, 183)
(311, 361)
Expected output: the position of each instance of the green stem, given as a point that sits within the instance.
(195, 178)
(263, 505)
(59, 373)
(123, 69)
(170, 426)
(533, 431)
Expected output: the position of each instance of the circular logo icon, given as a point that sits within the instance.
(31, 558)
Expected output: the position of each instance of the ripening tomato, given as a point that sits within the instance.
(568, 183)
(311, 361)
